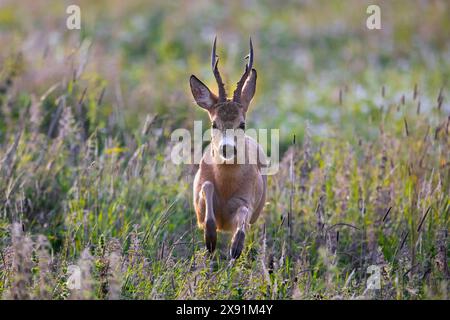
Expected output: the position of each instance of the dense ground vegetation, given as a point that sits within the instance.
(85, 171)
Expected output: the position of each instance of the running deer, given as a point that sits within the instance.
(228, 195)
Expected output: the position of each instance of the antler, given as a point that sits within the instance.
(248, 68)
(214, 63)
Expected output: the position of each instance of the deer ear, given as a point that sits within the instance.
(202, 95)
(248, 91)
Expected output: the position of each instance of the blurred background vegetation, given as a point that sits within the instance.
(143, 53)
(85, 123)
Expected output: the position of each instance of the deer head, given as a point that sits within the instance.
(226, 115)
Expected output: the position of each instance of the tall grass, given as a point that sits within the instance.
(86, 179)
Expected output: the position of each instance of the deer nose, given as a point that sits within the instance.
(228, 151)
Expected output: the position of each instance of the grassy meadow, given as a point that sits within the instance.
(86, 178)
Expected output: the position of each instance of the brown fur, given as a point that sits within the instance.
(227, 196)
(234, 185)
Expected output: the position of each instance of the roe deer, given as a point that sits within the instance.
(228, 195)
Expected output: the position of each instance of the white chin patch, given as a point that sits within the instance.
(225, 158)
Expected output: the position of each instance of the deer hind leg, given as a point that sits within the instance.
(237, 243)
(210, 231)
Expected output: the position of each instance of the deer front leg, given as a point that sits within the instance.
(210, 231)
(237, 243)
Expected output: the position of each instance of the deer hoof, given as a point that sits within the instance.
(237, 244)
(210, 235)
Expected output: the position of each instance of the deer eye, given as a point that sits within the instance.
(242, 126)
(214, 125)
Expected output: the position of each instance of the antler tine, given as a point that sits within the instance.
(213, 54)
(250, 56)
(214, 65)
(248, 68)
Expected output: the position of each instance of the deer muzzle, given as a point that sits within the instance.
(227, 148)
